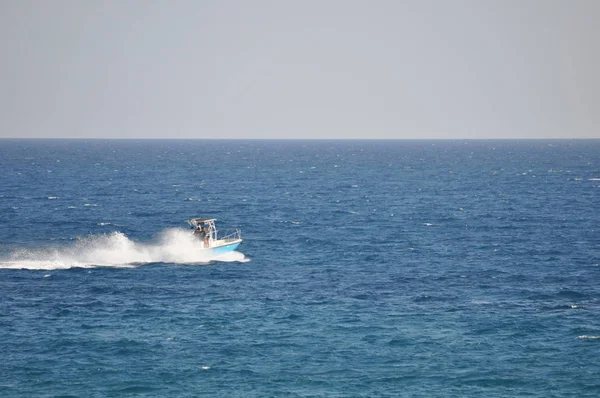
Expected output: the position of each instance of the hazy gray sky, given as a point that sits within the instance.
(300, 69)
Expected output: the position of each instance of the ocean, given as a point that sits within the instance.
(368, 268)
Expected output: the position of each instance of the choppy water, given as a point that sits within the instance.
(369, 268)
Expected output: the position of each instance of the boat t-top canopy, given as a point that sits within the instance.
(198, 221)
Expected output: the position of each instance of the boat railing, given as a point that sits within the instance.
(229, 234)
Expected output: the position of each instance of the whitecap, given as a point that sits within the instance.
(91, 205)
(52, 197)
(586, 337)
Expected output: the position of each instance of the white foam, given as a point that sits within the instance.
(231, 257)
(586, 337)
(117, 250)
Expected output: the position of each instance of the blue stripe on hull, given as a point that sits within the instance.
(225, 249)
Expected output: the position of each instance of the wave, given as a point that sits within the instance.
(117, 250)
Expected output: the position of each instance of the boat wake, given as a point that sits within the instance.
(117, 250)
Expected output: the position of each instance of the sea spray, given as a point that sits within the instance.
(117, 250)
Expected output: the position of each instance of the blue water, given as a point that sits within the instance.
(368, 269)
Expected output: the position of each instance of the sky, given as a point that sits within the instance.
(446, 69)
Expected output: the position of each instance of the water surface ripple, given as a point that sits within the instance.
(369, 269)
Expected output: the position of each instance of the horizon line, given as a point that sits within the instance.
(297, 139)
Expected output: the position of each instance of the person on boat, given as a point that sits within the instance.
(204, 235)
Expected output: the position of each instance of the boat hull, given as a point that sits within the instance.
(226, 248)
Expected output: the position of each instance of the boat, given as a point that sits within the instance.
(218, 242)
